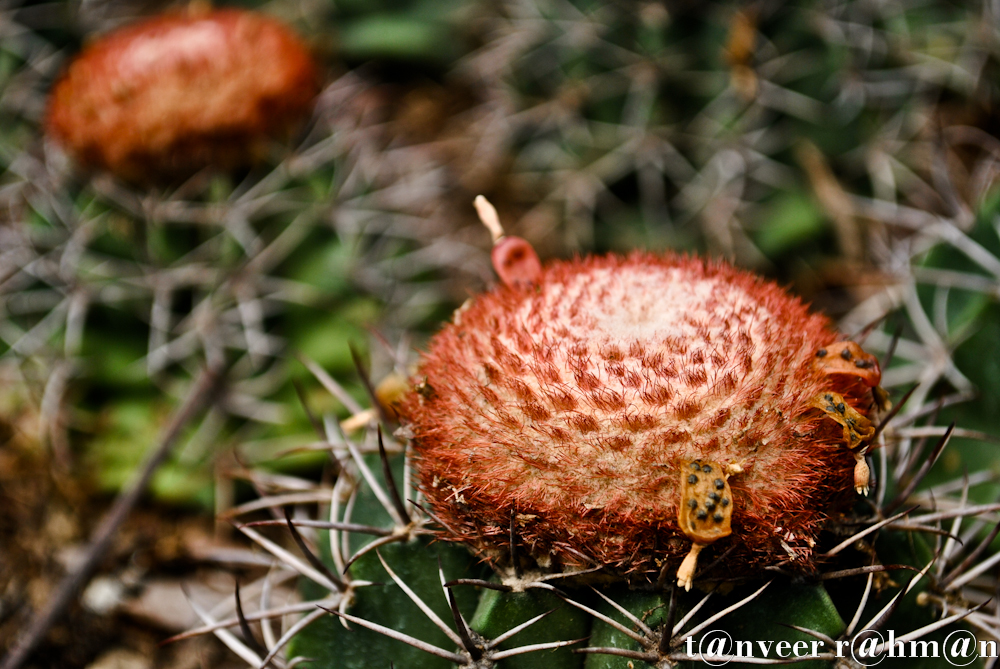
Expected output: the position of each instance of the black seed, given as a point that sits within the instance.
(693, 526)
(821, 353)
(695, 466)
(710, 505)
(829, 398)
(719, 484)
(718, 517)
(693, 503)
(692, 479)
(841, 408)
(725, 501)
(862, 364)
(701, 515)
(706, 469)
(846, 354)
(714, 496)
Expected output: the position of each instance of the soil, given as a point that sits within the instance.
(46, 516)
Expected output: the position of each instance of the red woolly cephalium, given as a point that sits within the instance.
(577, 405)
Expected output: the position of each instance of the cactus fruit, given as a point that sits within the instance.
(598, 411)
(173, 94)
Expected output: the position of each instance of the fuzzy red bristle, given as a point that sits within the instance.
(572, 402)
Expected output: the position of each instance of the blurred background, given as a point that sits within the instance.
(848, 150)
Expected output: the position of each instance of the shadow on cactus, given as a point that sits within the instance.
(554, 428)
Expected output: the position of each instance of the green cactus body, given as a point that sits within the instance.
(333, 645)
(806, 605)
(651, 608)
(498, 612)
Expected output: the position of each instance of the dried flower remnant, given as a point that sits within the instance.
(574, 402)
(514, 259)
(168, 96)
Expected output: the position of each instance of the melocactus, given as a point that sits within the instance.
(626, 411)
(170, 95)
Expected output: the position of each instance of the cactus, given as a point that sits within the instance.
(546, 595)
(405, 587)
